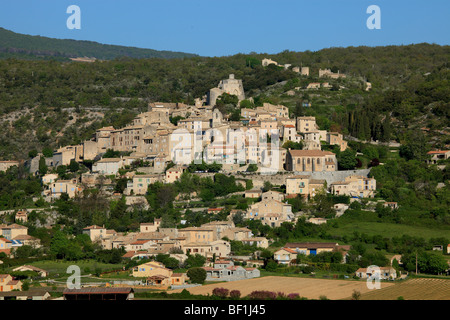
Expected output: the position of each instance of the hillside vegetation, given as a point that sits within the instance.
(51, 103)
(16, 45)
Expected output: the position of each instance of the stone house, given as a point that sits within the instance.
(7, 283)
(150, 226)
(272, 195)
(355, 186)
(70, 187)
(306, 124)
(260, 242)
(49, 178)
(174, 173)
(21, 216)
(5, 246)
(336, 138)
(5, 165)
(157, 274)
(95, 232)
(285, 255)
(139, 184)
(435, 156)
(270, 212)
(386, 273)
(237, 234)
(312, 248)
(198, 234)
(42, 273)
(252, 194)
(218, 248)
(12, 231)
(108, 166)
(303, 185)
(230, 272)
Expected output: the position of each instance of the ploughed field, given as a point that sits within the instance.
(305, 287)
(413, 289)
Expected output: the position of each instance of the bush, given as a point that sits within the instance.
(356, 295)
(293, 296)
(262, 295)
(235, 294)
(220, 292)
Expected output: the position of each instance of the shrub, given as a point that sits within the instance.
(262, 295)
(220, 292)
(356, 295)
(235, 294)
(293, 296)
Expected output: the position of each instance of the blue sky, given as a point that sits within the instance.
(227, 27)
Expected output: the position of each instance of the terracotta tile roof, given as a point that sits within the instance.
(25, 237)
(93, 227)
(14, 226)
(177, 275)
(139, 242)
(310, 153)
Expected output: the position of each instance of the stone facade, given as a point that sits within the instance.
(231, 86)
(310, 160)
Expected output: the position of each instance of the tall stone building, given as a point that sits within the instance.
(231, 86)
(310, 160)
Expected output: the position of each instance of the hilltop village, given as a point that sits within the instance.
(272, 160)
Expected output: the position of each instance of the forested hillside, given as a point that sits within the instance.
(16, 45)
(51, 103)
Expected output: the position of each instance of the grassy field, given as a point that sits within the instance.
(59, 268)
(388, 230)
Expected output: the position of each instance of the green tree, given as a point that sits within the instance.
(347, 159)
(42, 166)
(47, 152)
(194, 261)
(293, 145)
(74, 166)
(33, 153)
(197, 275)
(58, 245)
(415, 146)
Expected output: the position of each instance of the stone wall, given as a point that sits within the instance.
(280, 178)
